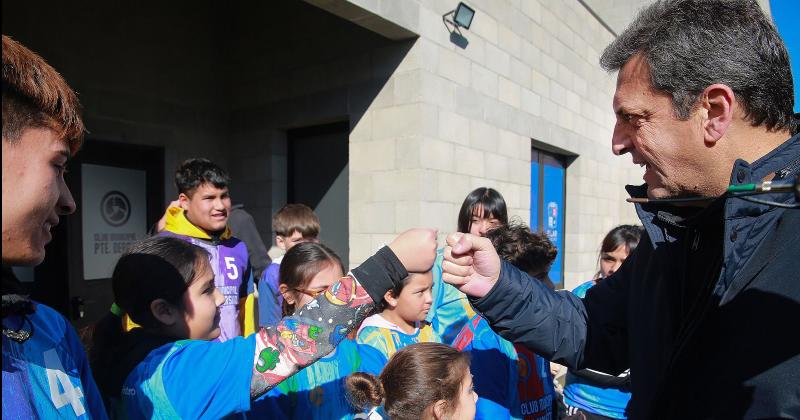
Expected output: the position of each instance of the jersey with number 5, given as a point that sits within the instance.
(47, 376)
(231, 276)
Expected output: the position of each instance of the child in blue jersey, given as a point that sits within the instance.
(482, 210)
(587, 391)
(512, 381)
(292, 224)
(170, 368)
(45, 371)
(317, 391)
(423, 381)
(400, 323)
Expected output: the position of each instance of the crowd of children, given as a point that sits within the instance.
(403, 351)
(192, 333)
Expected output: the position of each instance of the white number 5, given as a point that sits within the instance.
(229, 265)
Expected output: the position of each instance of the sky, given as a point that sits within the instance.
(786, 15)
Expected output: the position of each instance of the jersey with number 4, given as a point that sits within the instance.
(47, 376)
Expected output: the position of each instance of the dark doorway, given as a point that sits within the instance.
(318, 177)
(119, 190)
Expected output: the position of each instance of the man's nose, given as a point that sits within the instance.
(620, 141)
(219, 298)
(66, 204)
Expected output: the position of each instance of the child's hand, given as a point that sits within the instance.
(471, 264)
(416, 249)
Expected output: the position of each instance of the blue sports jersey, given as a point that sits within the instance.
(379, 340)
(48, 375)
(190, 379)
(450, 309)
(316, 392)
(581, 393)
(494, 369)
(511, 381)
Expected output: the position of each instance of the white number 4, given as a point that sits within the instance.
(55, 376)
(229, 265)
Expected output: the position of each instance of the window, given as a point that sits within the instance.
(548, 193)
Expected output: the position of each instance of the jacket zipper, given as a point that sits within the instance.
(787, 170)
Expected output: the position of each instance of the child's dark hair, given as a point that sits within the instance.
(301, 263)
(492, 202)
(623, 235)
(296, 217)
(416, 377)
(160, 267)
(530, 252)
(198, 171)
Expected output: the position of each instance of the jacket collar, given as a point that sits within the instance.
(784, 161)
(177, 223)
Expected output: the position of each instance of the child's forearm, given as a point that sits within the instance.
(311, 333)
(315, 329)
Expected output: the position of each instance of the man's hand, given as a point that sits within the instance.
(416, 249)
(471, 264)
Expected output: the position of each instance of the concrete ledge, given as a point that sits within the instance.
(404, 16)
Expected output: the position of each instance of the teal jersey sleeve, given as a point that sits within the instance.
(191, 379)
(450, 309)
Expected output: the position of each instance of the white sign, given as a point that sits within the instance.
(114, 212)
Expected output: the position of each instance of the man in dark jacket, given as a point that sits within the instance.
(703, 312)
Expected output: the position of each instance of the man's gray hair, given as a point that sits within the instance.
(691, 44)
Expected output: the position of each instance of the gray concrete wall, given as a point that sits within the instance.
(306, 68)
(145, 75)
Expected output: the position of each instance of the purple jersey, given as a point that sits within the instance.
(231, 276)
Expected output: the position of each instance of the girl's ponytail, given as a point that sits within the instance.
(364, 391)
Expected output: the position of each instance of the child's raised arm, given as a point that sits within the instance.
(316, 328)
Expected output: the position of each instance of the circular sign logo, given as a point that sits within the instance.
(115, 208)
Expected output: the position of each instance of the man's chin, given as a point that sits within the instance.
(27, 259)
(660, 192)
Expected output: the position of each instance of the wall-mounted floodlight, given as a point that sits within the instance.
(461, 16)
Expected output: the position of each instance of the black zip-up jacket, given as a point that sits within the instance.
(704, 312)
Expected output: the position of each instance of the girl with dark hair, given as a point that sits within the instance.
(421, 381)
(169, 367)
(317, 392)
(482, 210)
(595, 394)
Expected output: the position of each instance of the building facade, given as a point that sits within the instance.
(377, 113)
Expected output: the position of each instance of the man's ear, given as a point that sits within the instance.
(183, 201)
(718, 102)
(281, 242)
(439, 409)
(288, 296)
(164, 312)
(390, 299)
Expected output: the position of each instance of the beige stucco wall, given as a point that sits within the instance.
(451, 119)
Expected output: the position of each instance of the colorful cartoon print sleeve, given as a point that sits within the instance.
(312, 332)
